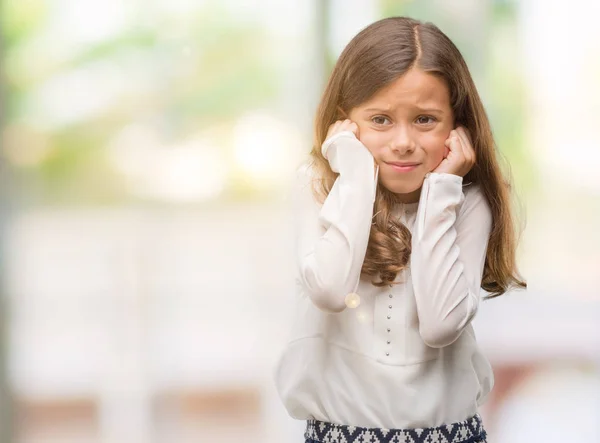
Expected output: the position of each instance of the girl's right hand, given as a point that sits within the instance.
(342, 125)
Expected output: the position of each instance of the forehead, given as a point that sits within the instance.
(415, 88)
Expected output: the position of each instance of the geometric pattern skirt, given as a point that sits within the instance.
(468, 431)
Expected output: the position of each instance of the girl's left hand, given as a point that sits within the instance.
(460, 155)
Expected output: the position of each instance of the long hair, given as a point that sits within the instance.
(374, 58)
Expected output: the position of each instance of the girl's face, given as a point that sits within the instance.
(404, 126)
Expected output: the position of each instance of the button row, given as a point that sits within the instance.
(388, 329)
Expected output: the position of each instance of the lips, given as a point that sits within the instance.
(403, 166)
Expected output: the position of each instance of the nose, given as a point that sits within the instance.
(402, 142)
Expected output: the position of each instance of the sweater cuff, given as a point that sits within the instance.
(435, 177)
(334, 137)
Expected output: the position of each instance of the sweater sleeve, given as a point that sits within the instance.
(331, 240)
(449, 246)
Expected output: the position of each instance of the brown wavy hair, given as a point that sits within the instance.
(374, 58)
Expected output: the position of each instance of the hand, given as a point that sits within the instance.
(342, 125)
(459, 155)
(346, 125)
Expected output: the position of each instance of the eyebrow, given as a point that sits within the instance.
(420, 109)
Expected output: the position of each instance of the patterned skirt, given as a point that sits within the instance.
(468, 431)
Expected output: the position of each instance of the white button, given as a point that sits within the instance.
(390, 306)
(389, 316)
(391, 295)
(352, 300)
(388, 342)
(388, 329)
(387, 353)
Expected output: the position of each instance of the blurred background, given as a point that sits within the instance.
(145, 257)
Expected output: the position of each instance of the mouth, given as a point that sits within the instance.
(403, 166)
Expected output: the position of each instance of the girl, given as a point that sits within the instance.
(403, 215)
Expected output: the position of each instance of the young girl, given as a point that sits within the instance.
(403, 215)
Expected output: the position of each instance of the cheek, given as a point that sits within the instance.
(436, 151)
(373, 140)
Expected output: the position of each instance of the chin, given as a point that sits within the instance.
(402, 187)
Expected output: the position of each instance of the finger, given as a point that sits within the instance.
(448, 142)
(466, 144)
(460, 131)
(461, 145)
(348, 125)
(453, 144)
(333, 129)
(467, 134)
(458, 150)
(447, 148)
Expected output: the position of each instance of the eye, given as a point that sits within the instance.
(379, 120)
(433, 119)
